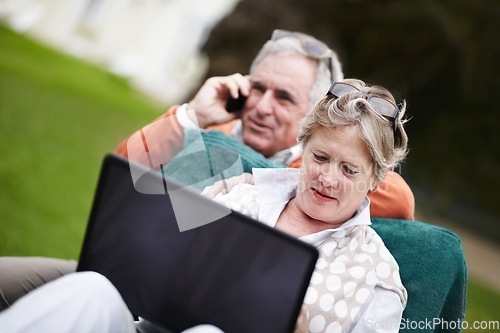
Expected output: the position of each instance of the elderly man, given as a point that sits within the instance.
(289, 74)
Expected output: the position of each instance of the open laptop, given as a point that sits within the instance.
(235, 273)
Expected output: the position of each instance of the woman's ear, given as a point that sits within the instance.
(377, 181)
(373, 187)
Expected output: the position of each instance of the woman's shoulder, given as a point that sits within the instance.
(361, 251)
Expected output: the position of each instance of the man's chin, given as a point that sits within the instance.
(263, 146)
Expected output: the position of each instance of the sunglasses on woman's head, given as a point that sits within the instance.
(382, 106)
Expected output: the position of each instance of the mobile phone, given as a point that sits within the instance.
(235, 104)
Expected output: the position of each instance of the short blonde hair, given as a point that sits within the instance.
(388, 144)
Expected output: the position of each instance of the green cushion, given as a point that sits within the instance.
(211, 156)
(433, 270)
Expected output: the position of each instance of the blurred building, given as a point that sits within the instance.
(154, 43)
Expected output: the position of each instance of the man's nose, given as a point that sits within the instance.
(265, 105)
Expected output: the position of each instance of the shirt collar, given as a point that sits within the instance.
(285, 156)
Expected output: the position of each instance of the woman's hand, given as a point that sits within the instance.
(208, 107)
(301, 325)
(225, 185)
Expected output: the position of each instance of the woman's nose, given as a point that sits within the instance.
(329, 178)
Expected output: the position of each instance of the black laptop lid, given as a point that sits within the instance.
(234, 273)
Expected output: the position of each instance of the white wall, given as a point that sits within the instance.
(155, 43)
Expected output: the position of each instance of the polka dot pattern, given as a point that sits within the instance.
(333, 283)
(311, 296)
(334, 327)
(321, 263)
(317, 278)
(352, 263)
(349, 289)
(317, 324)
(383, 270)
(326, 302)
(341, 309)
(329, 248)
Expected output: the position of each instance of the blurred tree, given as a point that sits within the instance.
(441, 56)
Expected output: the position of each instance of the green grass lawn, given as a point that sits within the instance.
(58, 118)
(483, 305)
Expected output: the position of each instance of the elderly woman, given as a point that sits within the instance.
(351, 139)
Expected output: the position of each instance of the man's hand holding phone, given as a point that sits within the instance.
(219, 99)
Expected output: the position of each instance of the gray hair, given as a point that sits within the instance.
(290, 45)
(388, 145)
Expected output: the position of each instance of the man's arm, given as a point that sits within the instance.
(156, 143)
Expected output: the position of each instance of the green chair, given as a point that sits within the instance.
(433, 270)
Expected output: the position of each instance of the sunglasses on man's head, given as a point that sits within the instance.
(314, 49)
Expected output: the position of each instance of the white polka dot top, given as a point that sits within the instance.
(353, 259)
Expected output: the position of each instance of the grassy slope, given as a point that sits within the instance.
(483, 305)
(58, 117)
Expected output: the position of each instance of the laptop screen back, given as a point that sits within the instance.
(234, 273)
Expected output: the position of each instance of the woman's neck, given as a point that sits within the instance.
(295, 222)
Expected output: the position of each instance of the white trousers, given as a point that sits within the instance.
(84, 302)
